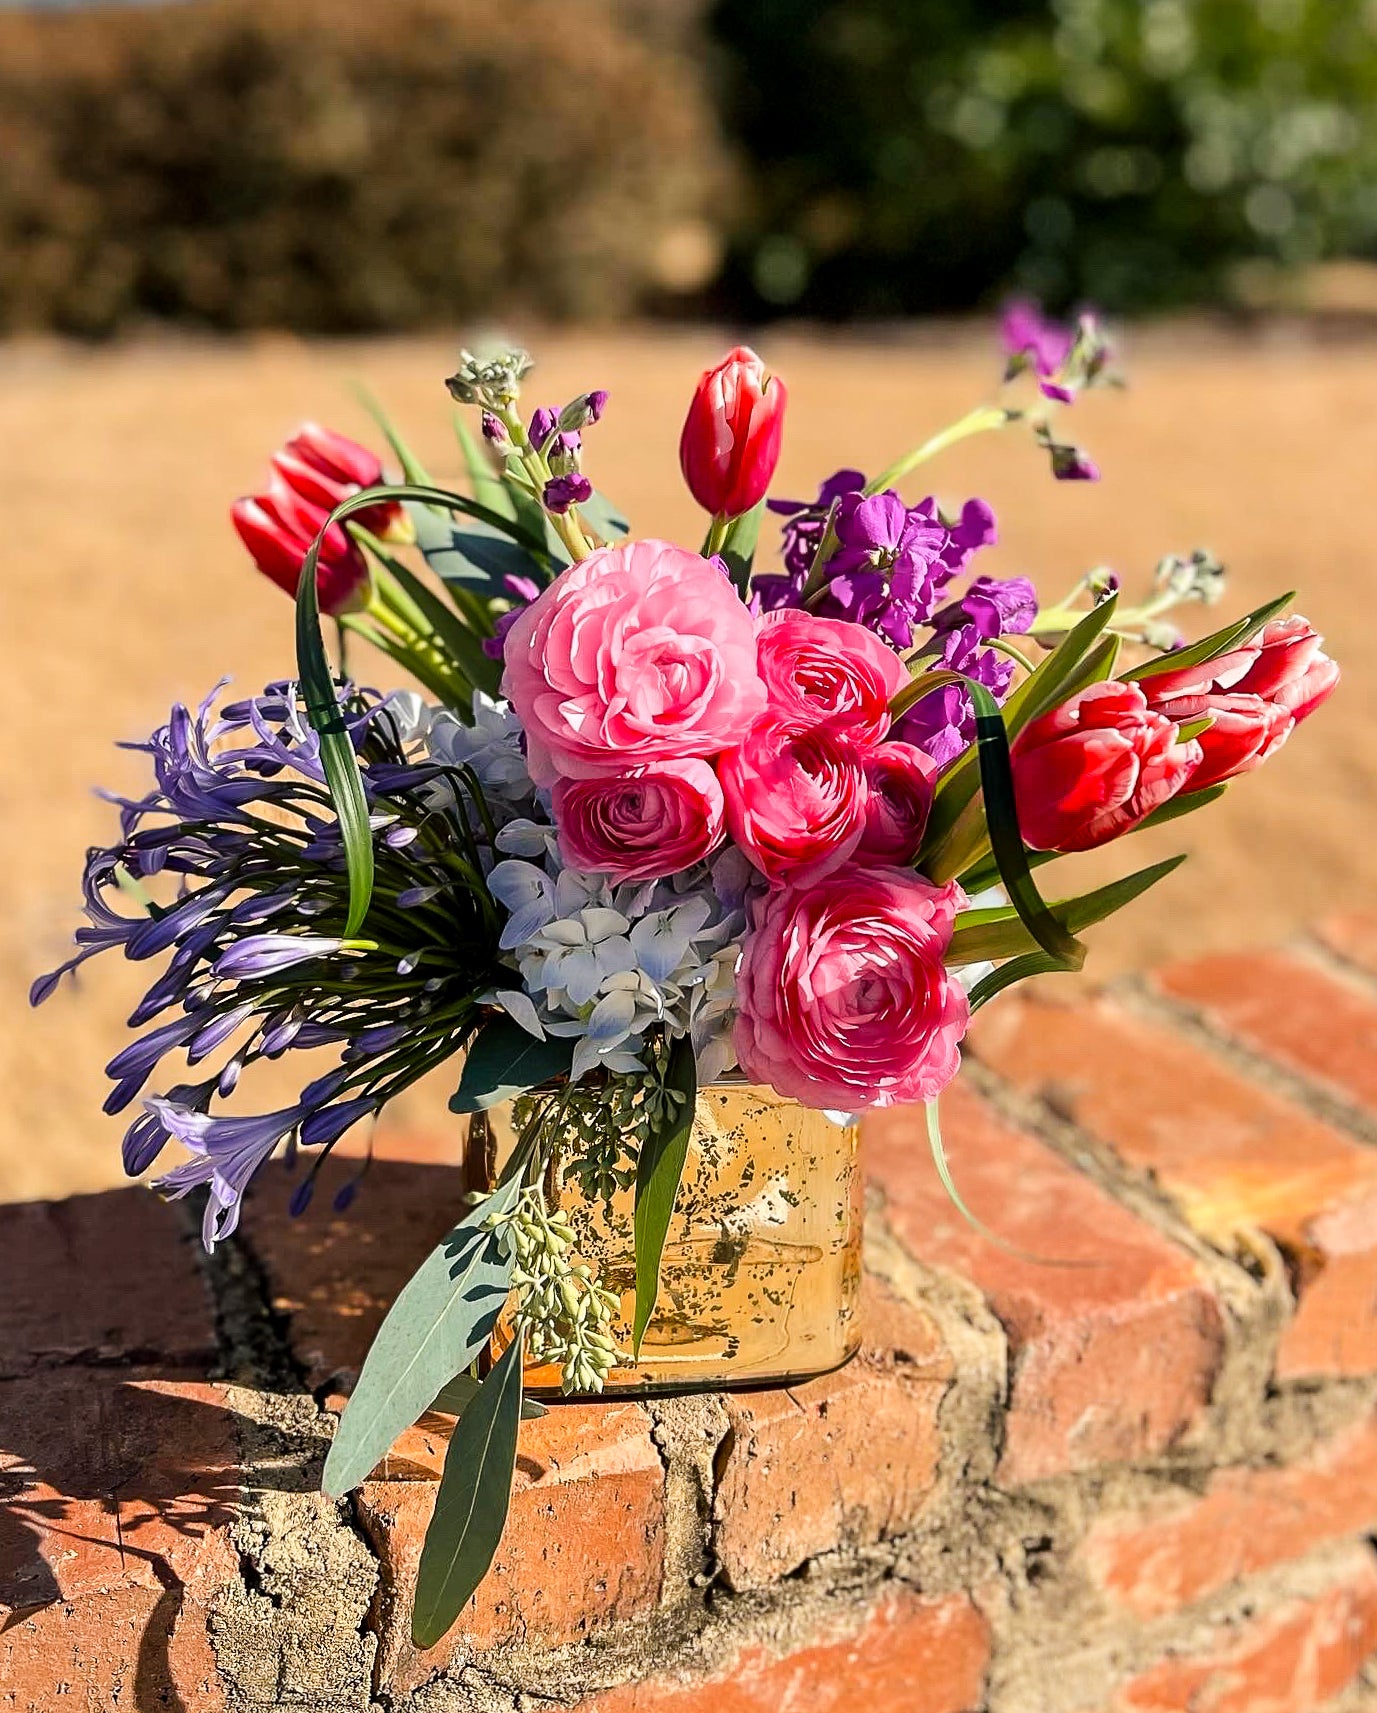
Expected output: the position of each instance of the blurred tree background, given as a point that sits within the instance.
(248, 163)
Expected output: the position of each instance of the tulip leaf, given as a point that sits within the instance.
(1218, 642)
(1017, 969)
(412, 468)
(460, 1392)
(658, 1171)
(341, 765)
(1006, 841)
(1184, 803)
(739, 545)
(983, 935)
(442, 1319)
(448, 630)
(488, 487)
(505, 1060)
(472, 1502)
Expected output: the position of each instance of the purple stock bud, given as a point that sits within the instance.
(493, 429)
(561, 492)
(1070, 464)
(579, 412)
(542, 426)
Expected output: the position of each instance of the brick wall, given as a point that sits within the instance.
(1138, 1480)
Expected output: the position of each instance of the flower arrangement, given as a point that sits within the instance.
(663, 815)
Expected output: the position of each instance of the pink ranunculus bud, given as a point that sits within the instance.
(323, 468)
(796, 798)
(278, 528)
(1255, 695)
(902, 779)
(818, 670)
(651, 821)
(730, 443)
(640, 653)
(845, 1000)
(1096, 766)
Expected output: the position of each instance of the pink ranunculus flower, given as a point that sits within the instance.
(1255, 695)
(827, 669)
(639, 653)
(796, 798)
(651, 821)
(844, 998)
(1096, 766)
(901, 778)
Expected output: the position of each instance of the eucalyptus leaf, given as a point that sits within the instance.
(983, 935)
(472, 1502)
(442, 1319)
(658, 1171)
(504, 1060)
(456, 1397)
(475, 554)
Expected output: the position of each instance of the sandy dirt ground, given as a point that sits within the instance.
(123, 588)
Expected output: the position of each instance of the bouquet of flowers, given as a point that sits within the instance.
(663, 815)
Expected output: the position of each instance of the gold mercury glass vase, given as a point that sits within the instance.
(760, 1276)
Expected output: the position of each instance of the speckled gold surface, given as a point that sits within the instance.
(761, 1267)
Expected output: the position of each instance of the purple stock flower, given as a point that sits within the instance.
(882, 574)
(801, 538)
(943, 722)
(542, 426)
(523, 591)
(994, 606)
(1032, 340)
(561, 492)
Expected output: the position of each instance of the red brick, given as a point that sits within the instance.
(1180, 1549)
(1236, 1159)
(100, 1278)
(1113, 1355)
(584, 1543)
(1289, 1011)
(120, 1487)
(910, 1656)
(1352, 938)
(334, 1276)
(852, 1456)
(1292, 1659)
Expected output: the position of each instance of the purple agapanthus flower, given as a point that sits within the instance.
(225, 1154)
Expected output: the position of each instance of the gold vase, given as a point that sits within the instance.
(761, 1270)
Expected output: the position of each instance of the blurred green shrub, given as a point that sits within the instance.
(338, 166)
(913, 155)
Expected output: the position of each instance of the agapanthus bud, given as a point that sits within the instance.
(731, 437)
(278, 528)
(324, 468)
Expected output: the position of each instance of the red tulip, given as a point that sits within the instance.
(323, 468)
(730, 443)
(1255, 695)
(1095, 767)
(278, 528)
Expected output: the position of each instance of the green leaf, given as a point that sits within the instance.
(603, 517)
(1184, 803)
(482, 554)
(412, 468)
(453, 690)
(1017, 969)
(337, 756)
(1055, 678)
(442, 1319)
(658, 1171)
(504, 1060)
(449, 631)
(456, 1397)
(939, 1160)
(488, 487)
(1006, 841)
(471, 1505)
(984, 935)
(739, 545)
(1218, 642)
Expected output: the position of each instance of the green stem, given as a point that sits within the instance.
(1004, 646)
(979, 421)
(717, 534)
